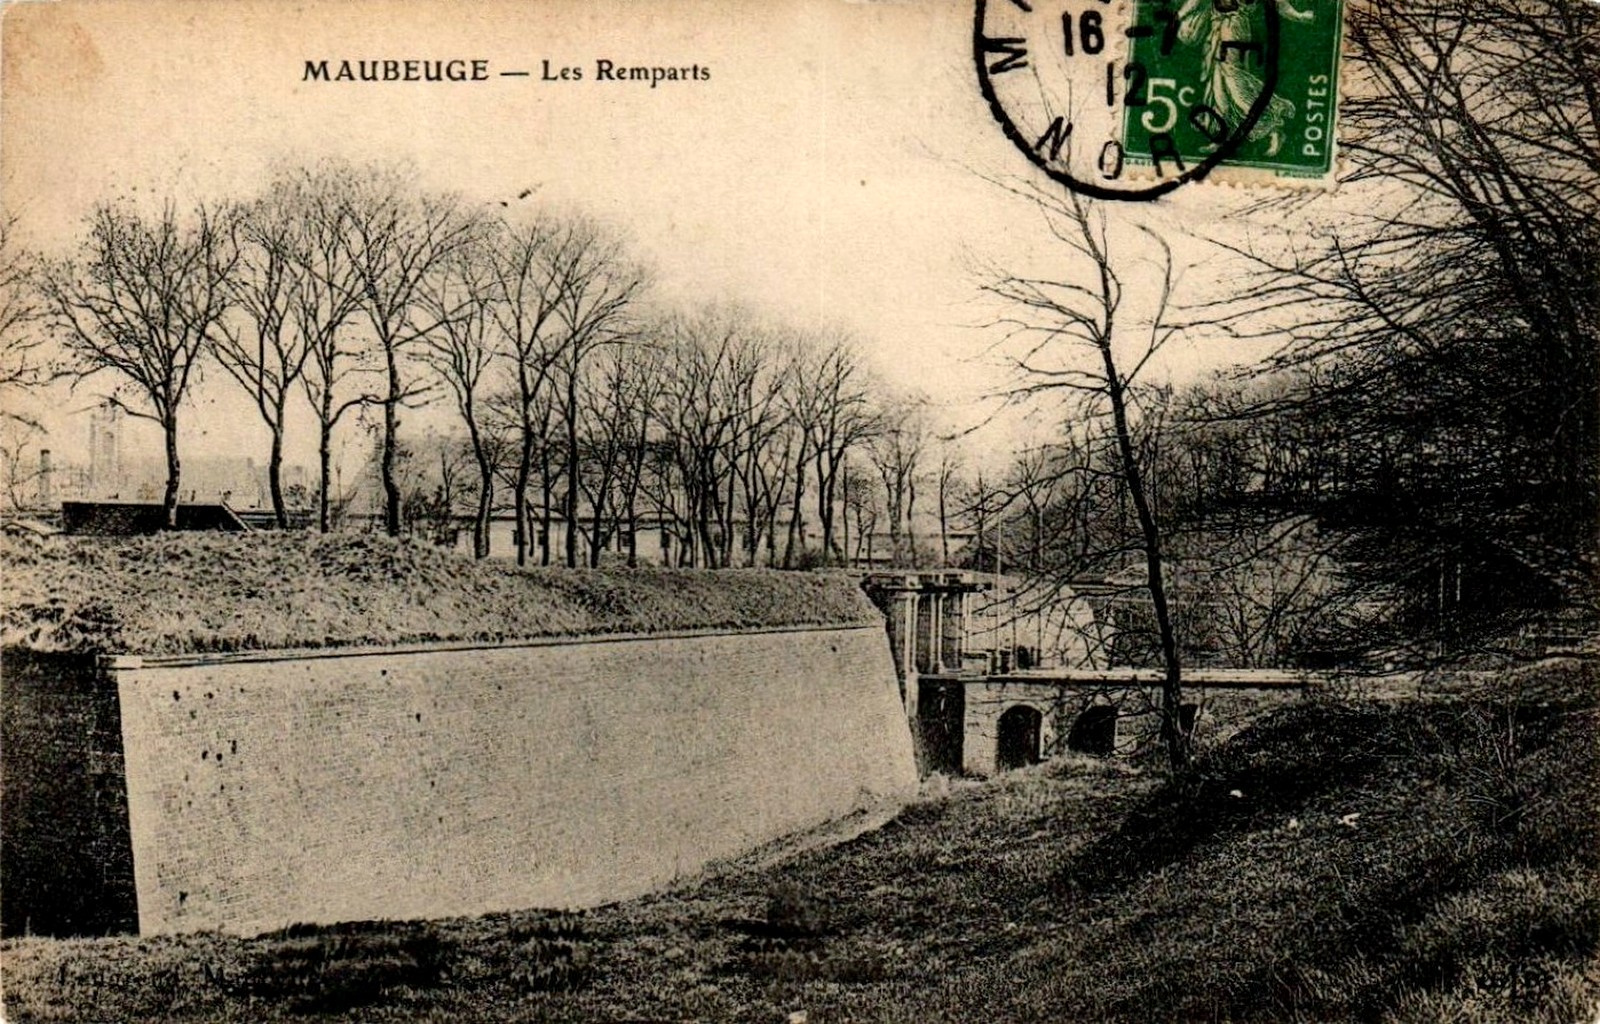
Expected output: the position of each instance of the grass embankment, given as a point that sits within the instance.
(1419, 860)
(181, 593)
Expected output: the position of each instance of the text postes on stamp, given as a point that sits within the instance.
(1129, 99)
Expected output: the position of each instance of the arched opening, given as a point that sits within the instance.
(1017, 745)
(1095, 731)
(1187, 715)
(941, 717)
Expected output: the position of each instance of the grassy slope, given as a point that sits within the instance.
(192, 592)
(1412, 861)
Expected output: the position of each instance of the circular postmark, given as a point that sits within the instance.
(1128, 99)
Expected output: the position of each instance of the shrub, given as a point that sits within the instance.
(329, 971)
(794, 911)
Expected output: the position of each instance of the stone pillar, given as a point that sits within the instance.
(952, 636)
(927, 654)
(902, 640)
(895, 617)
(982, 720)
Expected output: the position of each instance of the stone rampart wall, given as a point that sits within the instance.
(269, 790)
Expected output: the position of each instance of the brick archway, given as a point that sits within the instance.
(1018, 737)
(1095, 731)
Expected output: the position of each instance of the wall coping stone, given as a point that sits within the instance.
(134, 662)
(1196, 678)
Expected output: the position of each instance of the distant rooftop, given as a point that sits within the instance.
(138, 518)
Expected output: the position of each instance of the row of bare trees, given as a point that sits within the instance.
(577, 397)
(748, 442)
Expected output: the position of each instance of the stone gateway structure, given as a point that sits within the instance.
(977, 707)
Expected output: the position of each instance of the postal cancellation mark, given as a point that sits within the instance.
(1128, 99)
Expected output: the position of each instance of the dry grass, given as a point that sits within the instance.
(184, 593)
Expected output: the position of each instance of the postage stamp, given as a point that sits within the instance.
(1128, 99)
(1201, 84)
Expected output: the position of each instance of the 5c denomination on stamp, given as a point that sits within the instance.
(1129, 99)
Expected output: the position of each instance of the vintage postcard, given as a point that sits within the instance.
(799, 511)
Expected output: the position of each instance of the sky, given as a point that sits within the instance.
(836, 167)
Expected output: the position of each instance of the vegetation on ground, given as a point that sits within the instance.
(228, 592)
(1340, 859)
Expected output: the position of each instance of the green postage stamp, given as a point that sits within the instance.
(1204, 82)
(1129, 99)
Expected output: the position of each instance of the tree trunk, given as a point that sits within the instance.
(391, 425)
(730, 520)
(570, 505)
(1172, 732)
(824, 520)
(275, 474)
(911, 520)
(944, 524)
(169, 499)
(520, 494)
(796, 533)
(827, 488)
(846, 523)
(546, 520)
(324, 462)
(480, 526)
(599, 535)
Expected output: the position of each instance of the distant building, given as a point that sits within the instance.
(105, 449)
(134, 518)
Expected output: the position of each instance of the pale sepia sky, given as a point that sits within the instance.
(829, 171)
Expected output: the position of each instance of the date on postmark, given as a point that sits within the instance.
(1130, 99)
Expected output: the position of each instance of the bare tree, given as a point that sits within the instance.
(767, 437)
(462, 351)
(639, 394)
(983, 503)
(698, 418)
(896, 451)
(140, 302)
(801, 409)
(848, 419)
(595, 284)
(755, 378)
(259, 345)
(17, 435)
(771, 476)
(524, 275)
(609, 434)
(1031, 487)
(433, 475)
(1053, 320)
(21, 310)
(947, 482)
(1260, 596)
(325, 296)
(396, 236)
(830, 401)
(862, 500)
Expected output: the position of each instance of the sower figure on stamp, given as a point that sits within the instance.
(1231, 88)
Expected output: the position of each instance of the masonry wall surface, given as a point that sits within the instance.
(1219, 713)
(66, 866)
(267, 791)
